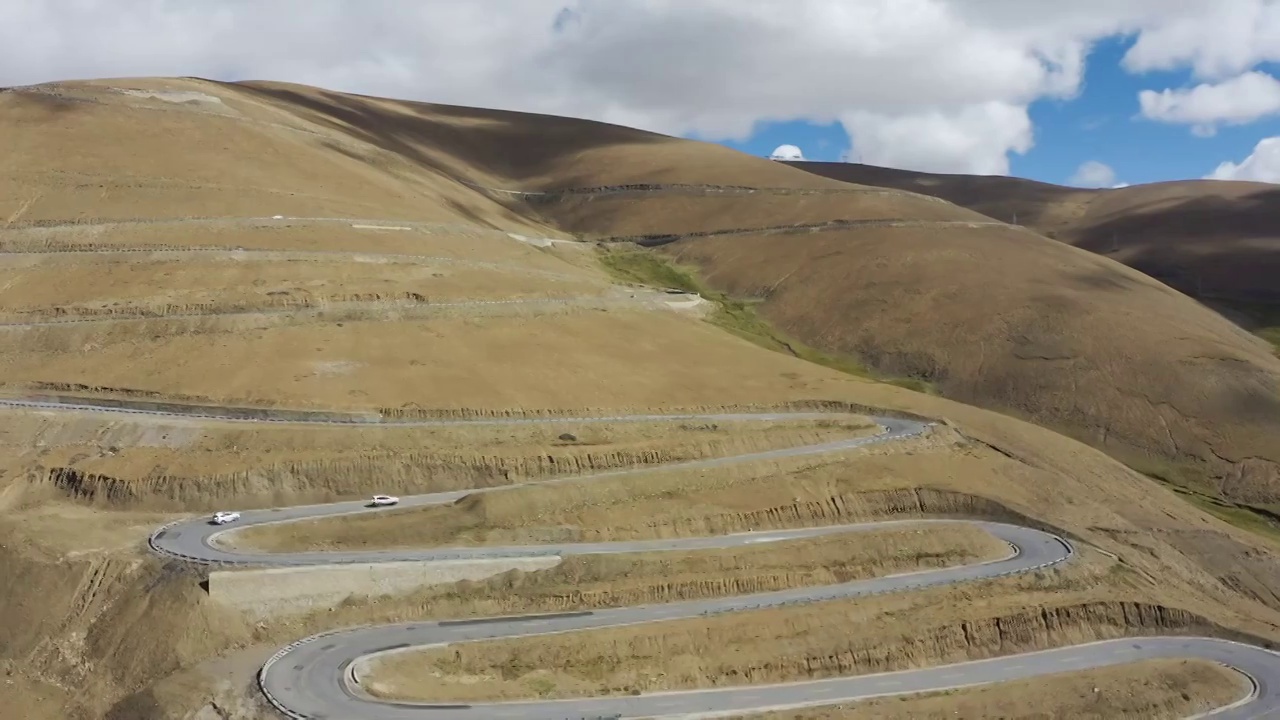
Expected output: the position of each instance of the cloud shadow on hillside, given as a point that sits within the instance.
(449, 140)
(1208, 246)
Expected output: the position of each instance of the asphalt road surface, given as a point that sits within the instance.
(197, 540)
(317, 677)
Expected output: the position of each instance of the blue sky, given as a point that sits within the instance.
(1103, 123)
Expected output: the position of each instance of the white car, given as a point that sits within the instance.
(222, 517)
(380, 500)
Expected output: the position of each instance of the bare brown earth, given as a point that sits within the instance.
(118, 286)
(1152, 690)
(969, 622)
(1077, 344)
(1044, 334)
(1048, 333)
(1204, 566)
(281, 465)
(471, 244)
(450, 360)
(620, 580)
(1209, 239)
(98, 628)
(629, 214)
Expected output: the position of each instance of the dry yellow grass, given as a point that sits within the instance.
(233, 155)
(462, 242)
(490, 147)
(1050, 333)
(876, 634)
(1070, 341)
(656, 213)
(244, 468)
(766, 497)
(105, 624)
(611, 581)
(573, 358)
(1152, 690)
(120, 286)
(1214, 239)
(596, 581)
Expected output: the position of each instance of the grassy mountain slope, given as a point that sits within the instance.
(990, 314)
(145, 210)
(1216, 241)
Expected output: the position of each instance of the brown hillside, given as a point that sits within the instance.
(998, 317)
(992, 315)
(1079, 344)
(141, 258)
(1210, 239)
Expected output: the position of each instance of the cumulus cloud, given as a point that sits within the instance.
(1094, 174)
(1216, 39)
(787, 152)
(1242, 99)
(950, 78)
(972, 139)
(1263, 165)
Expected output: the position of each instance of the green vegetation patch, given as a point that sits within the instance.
(1192, 485)
(1271, 335)
(645, 268)
(739, 317)
(1260, 319)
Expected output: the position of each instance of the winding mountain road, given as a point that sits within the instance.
(318, 678)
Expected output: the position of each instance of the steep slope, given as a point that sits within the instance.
(181, 240)
(993, 315)
(1216, 241)
(1076, 343)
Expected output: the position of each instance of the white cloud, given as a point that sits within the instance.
(787, 152)
(925, 72)
(1263, 165)
(1217, 38)
(1242, 99)
(1094, 174)
(973, 139)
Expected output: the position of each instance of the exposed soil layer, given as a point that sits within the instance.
(1152, 690)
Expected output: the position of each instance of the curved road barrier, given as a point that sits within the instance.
(316, 678)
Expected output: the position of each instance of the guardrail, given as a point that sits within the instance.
(262, 673)
(1070, 552)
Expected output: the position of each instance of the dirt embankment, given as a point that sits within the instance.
(625, 661)
(95, 627)
(1152, 690)
(595, 512)
(555, 584)
(143, 483)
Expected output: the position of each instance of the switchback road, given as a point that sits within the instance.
(319, 677)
